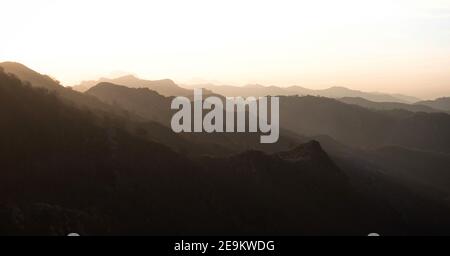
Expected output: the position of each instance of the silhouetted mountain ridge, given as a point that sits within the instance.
(387, 105)
(332, 92)
(142, 101)
(310, 116)
(38, 80)
(358, 126)
(440, 103)
(164, 87)
(31, 76)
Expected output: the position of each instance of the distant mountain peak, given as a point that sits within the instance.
(111, 86)
(297, 87)
(166, 87)
(340, 88)
(256, 86)
(129, 76)
(136, 79)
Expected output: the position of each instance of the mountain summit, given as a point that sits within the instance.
(166, 87)
(28, 75)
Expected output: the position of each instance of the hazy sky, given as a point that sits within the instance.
(393, 46)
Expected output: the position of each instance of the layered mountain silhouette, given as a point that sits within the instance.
(167, 87)
(358, 126)
(30, 76)
(312, 116)
(104, 162)
(332, 92)
(153, 107)
(38, 80)
(388, 105)
(164, 87)
(142, 101)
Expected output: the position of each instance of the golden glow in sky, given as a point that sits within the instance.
(392, 46)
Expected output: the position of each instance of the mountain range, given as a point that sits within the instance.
(106, 162)
(332, 92)
(167, 87)
(313, 116)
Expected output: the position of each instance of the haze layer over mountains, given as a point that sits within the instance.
(373, 100)
(167, 87)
